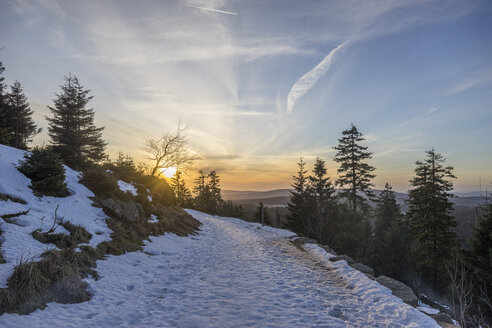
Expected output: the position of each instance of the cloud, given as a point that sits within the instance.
(308, 80)
(214, 10)
(472, 82)
(429, 111)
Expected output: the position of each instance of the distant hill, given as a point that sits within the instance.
(282, 196)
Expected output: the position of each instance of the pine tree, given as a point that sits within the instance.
(322, 204)
(390, 247)
(297, 204)
(5, 131)
(19, 118)
(481, 249)
(202, 194)
(183, 194)
(71, 129)
(355, 174)
(215, 201)
(429, 214)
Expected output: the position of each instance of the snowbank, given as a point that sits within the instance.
(76, 208)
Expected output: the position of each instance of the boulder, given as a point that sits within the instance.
(342, 257)
(442, 318)
(447, 325)
(328, 249)
(129, 211)
(399, 289)
(362, 268)
(304, 240)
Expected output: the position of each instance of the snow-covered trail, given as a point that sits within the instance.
(232, 274)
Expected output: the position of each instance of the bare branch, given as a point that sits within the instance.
(170, 151)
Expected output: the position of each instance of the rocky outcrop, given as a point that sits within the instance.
(342, 257)
(399, 289)
(362, 268)
(304, 240)
(328, 249)
(129, 211)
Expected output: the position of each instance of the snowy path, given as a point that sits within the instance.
(232, 274)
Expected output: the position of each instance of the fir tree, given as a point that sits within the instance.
(19, 118)
(387, 212)
(297, 203)
(355, 174)
(213, 186)
(71, 129)
(183, 194)
(322, 205)
(481, 249)
(391, 246)
(5, 131)
(202, 194)
(429, 214)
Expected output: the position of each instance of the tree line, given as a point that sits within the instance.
(418, 247)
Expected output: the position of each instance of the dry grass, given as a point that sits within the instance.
(57, 277)
(129, 236)
(78, 235)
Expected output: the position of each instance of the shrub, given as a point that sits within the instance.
(100, 182)
(161, 192)
(46, 172)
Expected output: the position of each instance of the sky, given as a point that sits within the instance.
(263, 82)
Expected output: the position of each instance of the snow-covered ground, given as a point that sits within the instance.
(17, 239)
(232, 274)
(127, 187)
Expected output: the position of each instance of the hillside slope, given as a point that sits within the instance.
(18, 243)
(232, 274)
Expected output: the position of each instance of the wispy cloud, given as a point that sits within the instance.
(472, 82)
(429, 111)
(308, 80)
(214, 10)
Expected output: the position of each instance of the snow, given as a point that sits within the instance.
(231, 274)
(127, 187)
(153, 219)
(76, 208)
(426, 308)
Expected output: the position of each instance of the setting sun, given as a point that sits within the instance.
(169, 172)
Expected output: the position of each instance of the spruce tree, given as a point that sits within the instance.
(430, 218)
(202, 194)
(322, 205)
(213, 186)
(297, 204)
(183, 194)
(355, 174)
(5, 131)
(481, 249)
(19, 118)
(390, 247)
(71, 129)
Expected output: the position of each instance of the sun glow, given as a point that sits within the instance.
(169, 172)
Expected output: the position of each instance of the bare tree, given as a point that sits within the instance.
(170, 151)
(461, 288)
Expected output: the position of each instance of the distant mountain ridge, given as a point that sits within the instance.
(282, 196)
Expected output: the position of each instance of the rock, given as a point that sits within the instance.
(328, 249)
(304, 240)
(447, 325)
(442, 318)
(129, 211)
(342, 257)
(362, 268)
(399, 289)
